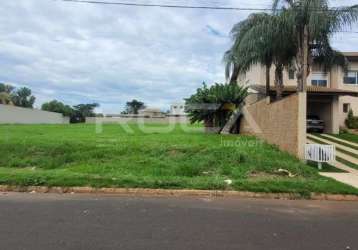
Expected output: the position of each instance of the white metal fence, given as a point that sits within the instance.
(320, 153)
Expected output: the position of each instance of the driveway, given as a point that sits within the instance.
(50, 221)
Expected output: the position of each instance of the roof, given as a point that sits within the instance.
(310, 90)
(150, 110)
(350, 54)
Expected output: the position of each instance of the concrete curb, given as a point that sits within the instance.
(175, 193)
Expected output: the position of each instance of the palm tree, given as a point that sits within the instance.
(232, 70)
(313, 23)
(240, 62)
(263, 39)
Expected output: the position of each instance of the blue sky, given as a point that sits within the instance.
(80, 53)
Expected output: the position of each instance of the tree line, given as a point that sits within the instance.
(77, 113)
(21, 97)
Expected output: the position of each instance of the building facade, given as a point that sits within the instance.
(331, 94)
(177, 109)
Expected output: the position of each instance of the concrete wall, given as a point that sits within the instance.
(164, 120)
(16, 115)
(280, 123)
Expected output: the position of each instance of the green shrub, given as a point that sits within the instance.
(343, 130)
(215, 104)
(352, 121)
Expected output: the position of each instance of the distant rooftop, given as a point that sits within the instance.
(350, 54)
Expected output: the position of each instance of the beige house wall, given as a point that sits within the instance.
(16, 115)
(353, 102)
(277, 124)
(338, 75)
(255, 75)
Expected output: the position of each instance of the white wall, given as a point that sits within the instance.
(177, 109)
(16, 115)
(164, 120)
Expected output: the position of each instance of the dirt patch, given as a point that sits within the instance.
(262, 176)
(174, 152)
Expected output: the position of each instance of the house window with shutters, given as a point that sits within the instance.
(319, 79)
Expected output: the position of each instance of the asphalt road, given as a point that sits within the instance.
(38, 221)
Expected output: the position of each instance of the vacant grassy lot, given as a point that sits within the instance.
(75, 155)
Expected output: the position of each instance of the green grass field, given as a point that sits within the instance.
(75, 155)
(348, 137)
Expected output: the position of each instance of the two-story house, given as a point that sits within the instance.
(330, 95)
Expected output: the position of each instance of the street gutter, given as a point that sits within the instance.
(176, 193)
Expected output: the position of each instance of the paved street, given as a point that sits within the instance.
(49, 221)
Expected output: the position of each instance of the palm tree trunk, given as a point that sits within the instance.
(231, 122)
(234, 75)
(302, 60)
(279, 81)
(305, 58)
(268, 68)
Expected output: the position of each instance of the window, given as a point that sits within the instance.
(319, 79)
(291, 74)
(351, 78)
(321, 83)
(346, 107)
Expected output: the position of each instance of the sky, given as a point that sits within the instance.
(83, 53)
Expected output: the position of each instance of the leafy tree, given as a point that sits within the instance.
(313, 23)
(214, 105)
(58, 107)
(134, 106)
(5, 93)
(6, 88)
(5, 98)
(81, 111)
(23, 98)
